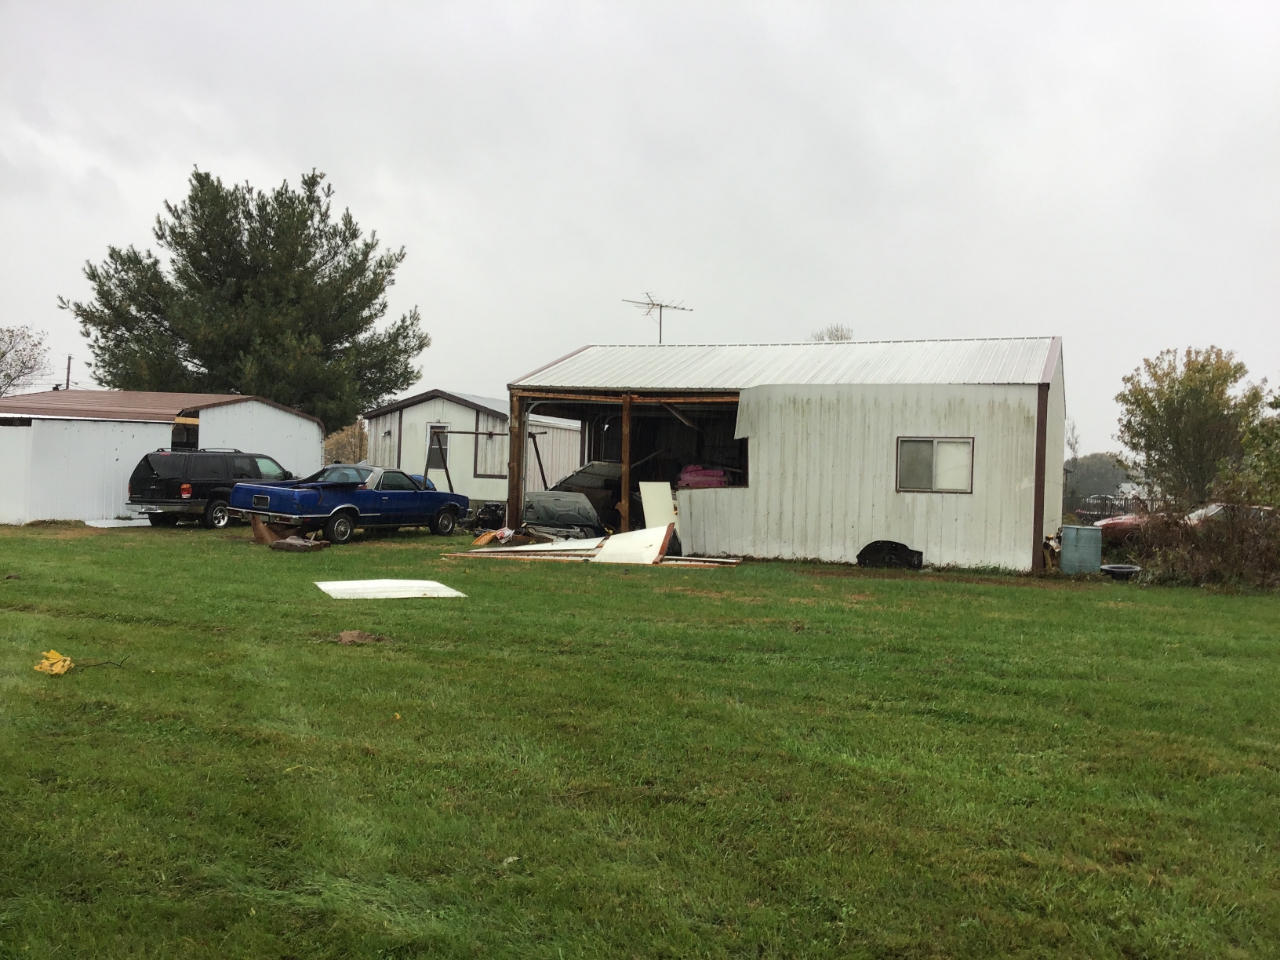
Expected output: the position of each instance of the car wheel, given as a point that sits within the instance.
(216, 515)
(444, 523)
(162, 519)
(339, 528)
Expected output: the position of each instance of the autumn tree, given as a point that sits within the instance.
(266, 293)
(1184, 415)
(1259, 472)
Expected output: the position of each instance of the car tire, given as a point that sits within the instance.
(442, 523)
(216, 515)
(339, 528)
(162, 519)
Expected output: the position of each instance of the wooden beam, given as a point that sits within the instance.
(515, 461)
(438, 436)
(538, 453)
(635, 398)
(624, 506)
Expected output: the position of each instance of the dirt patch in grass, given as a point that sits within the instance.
(711, 594)
(356, 638)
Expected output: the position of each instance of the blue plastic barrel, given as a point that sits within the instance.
(1081, 549)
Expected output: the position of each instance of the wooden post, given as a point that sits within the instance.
(625, 498)
(515, 462)
(538, 453)
(437, 435)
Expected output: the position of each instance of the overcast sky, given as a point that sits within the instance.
(1108, 173)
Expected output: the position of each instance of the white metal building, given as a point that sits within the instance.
(953, 447)
(68, 454)
(474, 435)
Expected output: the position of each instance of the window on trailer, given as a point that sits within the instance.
(935, 465)
(437, 446)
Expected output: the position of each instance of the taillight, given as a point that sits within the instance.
(185, 490)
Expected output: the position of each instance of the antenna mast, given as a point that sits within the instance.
(649, 304)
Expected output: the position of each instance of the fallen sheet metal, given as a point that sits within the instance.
(111, 523)
(559, 546)
(646, 546)
(659, 507)
(386, 589)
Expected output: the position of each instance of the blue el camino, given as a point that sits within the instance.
(343, 496)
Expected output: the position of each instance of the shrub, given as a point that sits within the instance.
(1237, 545)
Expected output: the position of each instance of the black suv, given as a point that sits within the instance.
(172, 485)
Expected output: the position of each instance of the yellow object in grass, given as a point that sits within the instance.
(54, 663)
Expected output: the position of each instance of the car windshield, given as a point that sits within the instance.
(340, 473)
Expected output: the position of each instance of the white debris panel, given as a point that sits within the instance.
(386, 589)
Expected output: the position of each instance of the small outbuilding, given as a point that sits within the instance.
(68, 454)
(816, 450)
(462, 443)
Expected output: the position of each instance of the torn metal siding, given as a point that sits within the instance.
(823, 476)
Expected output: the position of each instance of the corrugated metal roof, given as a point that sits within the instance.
(739, 366)
(132, 405)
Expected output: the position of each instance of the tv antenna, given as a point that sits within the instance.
(651, 305)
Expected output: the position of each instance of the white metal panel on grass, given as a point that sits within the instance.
(741, 366)
(822, 476)
(255, 427)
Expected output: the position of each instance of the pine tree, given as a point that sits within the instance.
(258, 293)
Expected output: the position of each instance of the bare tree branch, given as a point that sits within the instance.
(23, 358)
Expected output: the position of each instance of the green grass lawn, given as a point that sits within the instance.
(585, 761)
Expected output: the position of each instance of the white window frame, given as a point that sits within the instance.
(897, 464)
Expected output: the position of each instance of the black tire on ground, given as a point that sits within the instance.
(339, 528)
(163, 519)
(216, 515)
(442, 523)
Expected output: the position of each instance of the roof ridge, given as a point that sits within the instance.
(811, 343)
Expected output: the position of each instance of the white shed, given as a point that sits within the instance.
(474, 435)
(68, 454)
(814, 450)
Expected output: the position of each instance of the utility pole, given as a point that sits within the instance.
(649, 304)
(68, 386)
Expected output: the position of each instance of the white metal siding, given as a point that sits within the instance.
(491, 457)
(77, 469)
(561, 449)
(382, 439)
(296, 442)
(15, 457)
(822, 478)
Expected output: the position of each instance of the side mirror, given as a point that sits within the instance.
(288, 475)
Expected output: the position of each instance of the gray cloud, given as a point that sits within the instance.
(913, 170)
